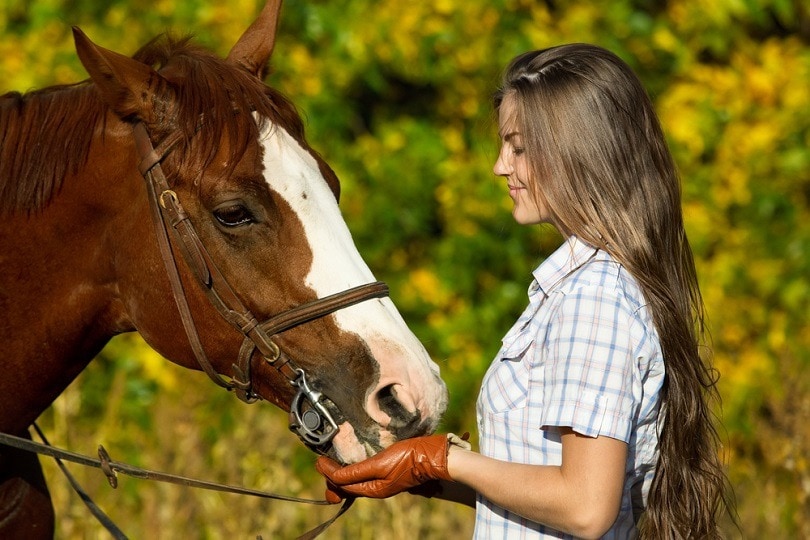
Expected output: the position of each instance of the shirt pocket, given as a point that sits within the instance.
(506, 384)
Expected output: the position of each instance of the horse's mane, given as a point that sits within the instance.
(45, 134)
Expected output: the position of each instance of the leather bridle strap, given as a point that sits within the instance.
(166, 210)
(149, 167)
(289, 319)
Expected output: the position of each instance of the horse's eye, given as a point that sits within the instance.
(233, 215)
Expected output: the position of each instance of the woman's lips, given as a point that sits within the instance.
(513, 190)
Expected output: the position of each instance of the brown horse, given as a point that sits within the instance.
(253, 211)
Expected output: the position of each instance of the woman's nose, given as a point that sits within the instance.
(501, 168)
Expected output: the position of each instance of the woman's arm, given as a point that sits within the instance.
(580, 497)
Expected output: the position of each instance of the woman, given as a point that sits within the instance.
(595, 416)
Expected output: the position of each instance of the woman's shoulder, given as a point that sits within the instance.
(602, 276)
(602, 292)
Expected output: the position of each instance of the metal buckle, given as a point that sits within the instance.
(315, 426)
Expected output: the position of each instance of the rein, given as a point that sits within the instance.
(111, 468)
(310, 419)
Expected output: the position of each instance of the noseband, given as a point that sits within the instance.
(309, 417)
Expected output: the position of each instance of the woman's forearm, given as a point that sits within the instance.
(580, 497)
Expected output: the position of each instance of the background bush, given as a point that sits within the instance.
(396, 96)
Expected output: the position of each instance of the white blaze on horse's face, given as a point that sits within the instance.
(406, 370)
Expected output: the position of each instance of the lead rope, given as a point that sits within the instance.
(111, 468)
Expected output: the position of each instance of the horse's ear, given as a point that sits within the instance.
(126, 85)
(253, 50)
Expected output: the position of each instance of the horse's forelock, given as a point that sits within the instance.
(214, 101)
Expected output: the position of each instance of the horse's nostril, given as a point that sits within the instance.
(389, 404)
(404, 423)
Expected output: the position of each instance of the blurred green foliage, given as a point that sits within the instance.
(396, 95)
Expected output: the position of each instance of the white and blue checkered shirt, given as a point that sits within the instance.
(585, 355)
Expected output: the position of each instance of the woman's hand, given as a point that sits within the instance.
(400, 467)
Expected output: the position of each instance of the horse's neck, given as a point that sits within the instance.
(58, 304)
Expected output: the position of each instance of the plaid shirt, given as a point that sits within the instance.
(585, 355)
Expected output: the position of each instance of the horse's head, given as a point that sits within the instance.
(264, 206)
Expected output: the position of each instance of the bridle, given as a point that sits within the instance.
(309, 417)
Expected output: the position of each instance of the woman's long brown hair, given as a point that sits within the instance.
(602, 167)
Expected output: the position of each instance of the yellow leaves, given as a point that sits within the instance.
(408, 22)
(664, 39)
(740, 150)
(444, 7)
(754, 82)
(467, 58)
(777, 332)
(759, 85)
(393, 140)
(28, 65)
(733, 334)
(744, 371)
(736, 117)
(732, 188)
(761, 137)
(680, 115)
(369, 148)
(446, 196)
(154, 366)
(453, 139)
(466, 354)
(116, 16)
(164, 7)
(698, 220)
(424, 284)
(580, 17)
(12, 70)
(308, 80)
(766, 73)
(444, 309)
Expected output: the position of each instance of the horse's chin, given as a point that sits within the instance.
(347, 448)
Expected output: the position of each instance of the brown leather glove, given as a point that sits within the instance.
(334, 494)
(401, 466)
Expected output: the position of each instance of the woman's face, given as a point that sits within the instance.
(513, 165)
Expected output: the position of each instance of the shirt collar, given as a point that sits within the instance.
(572, 254)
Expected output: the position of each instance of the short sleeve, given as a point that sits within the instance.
(589, 366)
